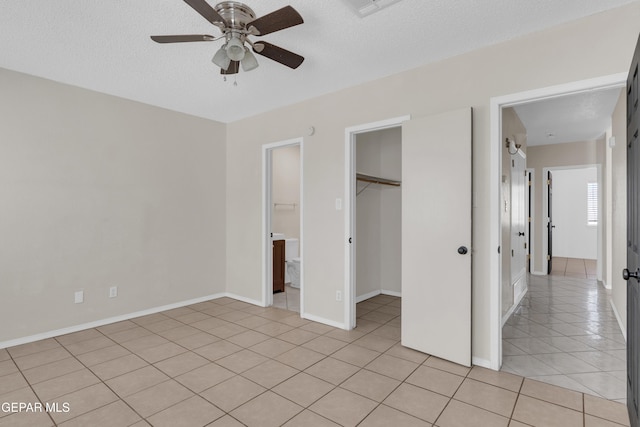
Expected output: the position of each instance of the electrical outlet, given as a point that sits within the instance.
(113, 292)
(78, 297)
(338, 296)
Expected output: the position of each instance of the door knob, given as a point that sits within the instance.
(462, 250)
(521, 233)
(626, 274)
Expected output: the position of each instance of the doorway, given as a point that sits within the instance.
(573, 206)
(283, 214)
(351, 135)
(496, 106)
(435, 236)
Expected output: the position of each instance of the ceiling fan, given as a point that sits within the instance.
(237, 22)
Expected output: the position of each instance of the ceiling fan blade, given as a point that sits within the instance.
(234, 68)
(276, 21)
(183, 38)
(278, 54)
(207, 12)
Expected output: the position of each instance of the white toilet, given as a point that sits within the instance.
(291, 256)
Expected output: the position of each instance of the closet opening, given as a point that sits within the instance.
(374, 218)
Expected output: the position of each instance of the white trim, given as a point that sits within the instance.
(514, 306)
(538, 273)
(495, 107)
(368, 295)
(375, 293)
(391, 293)
(478, 361)
(349, 211)
(322, 320)
(608, 210)
(602, 220)
(102, 322)
(244, 299)
(531, 206)
(621, 323)
(267, 278)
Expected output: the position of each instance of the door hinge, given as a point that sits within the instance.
(513, 163)
(512, 252)
(525, 246)
(528, 256)
(525, 173)
(529, 219)
(548, 257)
(529, 182)
(548, 182)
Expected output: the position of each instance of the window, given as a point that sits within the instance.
(592, 203)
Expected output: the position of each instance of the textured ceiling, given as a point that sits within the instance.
(105, 46)
(580, 117)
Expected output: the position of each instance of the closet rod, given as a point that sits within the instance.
(377, 180)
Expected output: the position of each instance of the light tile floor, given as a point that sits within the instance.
(288, 300)
(228, 363)
(564, 332)
(574, 267)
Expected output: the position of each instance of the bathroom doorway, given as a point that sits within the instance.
(282, 216)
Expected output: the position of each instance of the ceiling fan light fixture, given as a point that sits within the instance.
(249, 62)
(235, 49)
(221, 59)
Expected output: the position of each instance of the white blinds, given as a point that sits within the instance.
(592, 203)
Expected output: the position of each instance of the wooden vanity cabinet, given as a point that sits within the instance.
(278, 266)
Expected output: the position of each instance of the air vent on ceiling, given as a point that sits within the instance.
(367, 7)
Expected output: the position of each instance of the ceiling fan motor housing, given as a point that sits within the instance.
(237, 15)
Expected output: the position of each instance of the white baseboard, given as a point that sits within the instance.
(621, 323)
(478, 361)
(328, 322)
(513, 307)
(367, 296)
(391, 293)
(244, 299)
(376, 293)
(102, 322)
(538, 273)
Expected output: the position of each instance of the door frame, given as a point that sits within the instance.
(531, 212)
(350, 240)
(545, 204)
(618, 80)
(267, 204)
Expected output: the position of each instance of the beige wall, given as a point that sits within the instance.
(550, 156)
(513, 129)
(560, 55)
(98, 191)
(619, 211)
(286, 191)
(378, 213)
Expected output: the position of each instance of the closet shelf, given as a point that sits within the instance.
(370, 179)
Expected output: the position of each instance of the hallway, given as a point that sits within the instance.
(564, 332)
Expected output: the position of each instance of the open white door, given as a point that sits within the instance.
(436, 235)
